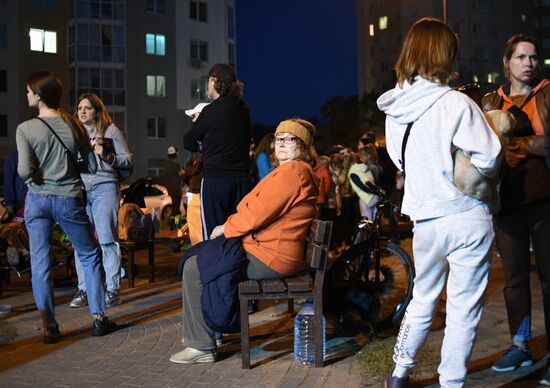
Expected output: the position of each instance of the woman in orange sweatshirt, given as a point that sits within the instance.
(272, 221)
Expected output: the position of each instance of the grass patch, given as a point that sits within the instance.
(376, 356)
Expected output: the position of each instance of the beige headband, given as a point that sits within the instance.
(295, 129)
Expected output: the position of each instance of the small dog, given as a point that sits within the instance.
(468, 179)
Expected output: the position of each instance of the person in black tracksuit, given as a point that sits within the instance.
(223, 130)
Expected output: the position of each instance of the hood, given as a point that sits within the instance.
(406, 104)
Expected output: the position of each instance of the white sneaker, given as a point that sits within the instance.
(79, 300)
(192, 356)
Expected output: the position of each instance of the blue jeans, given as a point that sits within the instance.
(41, 212)
(102, 210)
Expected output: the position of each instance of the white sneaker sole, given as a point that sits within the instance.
(196, 360)
(77, 305)
(513, 368)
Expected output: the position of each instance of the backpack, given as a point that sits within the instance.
(133, 224)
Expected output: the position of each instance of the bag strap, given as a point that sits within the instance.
(69, 154)
(404, 146)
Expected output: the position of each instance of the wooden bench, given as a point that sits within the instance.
(318, 241)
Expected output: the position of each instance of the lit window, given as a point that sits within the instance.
(155, 44)
(475, 78)
(547, 62)
(156, 86)
(383, 22)
(524, 18)
(371, 29)
(41, 40)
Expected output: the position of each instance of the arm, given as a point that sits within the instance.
(265, 204)
(477, 140)
(122, 158)
(547, 147)
(26, 164)
(196, 133)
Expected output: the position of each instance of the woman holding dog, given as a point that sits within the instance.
(525, 195)
(453, 232)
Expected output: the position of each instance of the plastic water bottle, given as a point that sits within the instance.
(304, 339)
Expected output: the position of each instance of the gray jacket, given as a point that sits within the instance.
(106, 168)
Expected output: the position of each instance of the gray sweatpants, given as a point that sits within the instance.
(456, 248)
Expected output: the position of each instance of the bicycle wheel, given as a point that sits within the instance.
(393, 288)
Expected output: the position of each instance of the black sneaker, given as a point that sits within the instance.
(51, 335)
(396, 382)
(103, 326)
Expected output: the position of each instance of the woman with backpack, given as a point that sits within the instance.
(48, 148)
(103, 191)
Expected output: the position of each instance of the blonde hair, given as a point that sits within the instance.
(429, 50)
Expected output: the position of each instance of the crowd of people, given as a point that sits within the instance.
(249, 220)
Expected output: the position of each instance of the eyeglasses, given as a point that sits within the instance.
(286, 140)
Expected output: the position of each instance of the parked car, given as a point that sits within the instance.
(156, 196)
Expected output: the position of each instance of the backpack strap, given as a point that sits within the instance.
(404, 146)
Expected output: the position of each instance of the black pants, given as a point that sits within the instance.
(514, 231)
(219, 199)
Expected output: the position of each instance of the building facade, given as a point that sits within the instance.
(483, 26)
(146, 59)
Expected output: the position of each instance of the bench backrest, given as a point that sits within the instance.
(318, 242)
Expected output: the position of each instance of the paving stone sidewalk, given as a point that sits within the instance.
(138, 354)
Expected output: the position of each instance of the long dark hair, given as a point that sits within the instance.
(48, 86)
(102, 118)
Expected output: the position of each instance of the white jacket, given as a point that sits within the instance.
(444, 120)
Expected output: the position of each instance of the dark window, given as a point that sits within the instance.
(44, 4)
(199, 50)
(3, 81)
(155, 6)
(3, 37)
(156, 127)
(3, 126)
(198, 10)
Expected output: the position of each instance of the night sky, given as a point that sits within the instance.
(294, 55)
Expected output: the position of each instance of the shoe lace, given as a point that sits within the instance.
(80, 294)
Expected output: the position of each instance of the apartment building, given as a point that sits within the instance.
(482, 26)
(145, 58)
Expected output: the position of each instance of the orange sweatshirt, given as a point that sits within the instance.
(274, 218)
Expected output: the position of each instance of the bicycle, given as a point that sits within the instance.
(371, 282)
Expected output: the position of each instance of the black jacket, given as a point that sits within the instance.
(224, 130)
